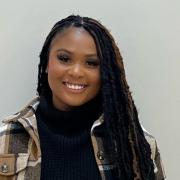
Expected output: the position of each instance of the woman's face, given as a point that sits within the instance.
(73, 68)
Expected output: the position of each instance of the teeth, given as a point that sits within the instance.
(74, 86)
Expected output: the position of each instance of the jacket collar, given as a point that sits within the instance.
(27, 113)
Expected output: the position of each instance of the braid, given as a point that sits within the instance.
(114, 111)
(132, 152)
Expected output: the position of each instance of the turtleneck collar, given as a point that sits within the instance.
(69, 122)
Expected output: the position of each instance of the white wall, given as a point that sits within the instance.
(148, 34)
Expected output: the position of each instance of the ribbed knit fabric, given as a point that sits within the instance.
(67, 152)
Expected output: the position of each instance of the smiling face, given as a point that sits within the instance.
(73, 68)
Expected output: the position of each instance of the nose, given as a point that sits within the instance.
(76, 71)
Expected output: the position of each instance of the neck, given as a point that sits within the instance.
(72, 121)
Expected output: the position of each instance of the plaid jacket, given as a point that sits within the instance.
(20, 153)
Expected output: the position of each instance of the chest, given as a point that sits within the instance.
(22, 158)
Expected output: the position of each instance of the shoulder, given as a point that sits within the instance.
(155, 155)
(10, 126)
(14, 129)
(27, 111)
(152, 142)
(24, 112)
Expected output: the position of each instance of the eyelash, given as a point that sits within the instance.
(63, 58)
(91, 63)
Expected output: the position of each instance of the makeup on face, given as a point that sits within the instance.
(73, 69)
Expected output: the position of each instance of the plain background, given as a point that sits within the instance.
(148, 35)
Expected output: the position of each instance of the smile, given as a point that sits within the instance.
(75, 86)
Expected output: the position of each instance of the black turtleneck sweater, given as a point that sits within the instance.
(67, 152)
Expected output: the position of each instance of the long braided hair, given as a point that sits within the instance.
(131, 150)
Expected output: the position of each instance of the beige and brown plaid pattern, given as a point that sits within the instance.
(20, 153)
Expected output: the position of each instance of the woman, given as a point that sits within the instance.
(83, 124)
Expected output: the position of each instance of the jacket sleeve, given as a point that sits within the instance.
(159, 169)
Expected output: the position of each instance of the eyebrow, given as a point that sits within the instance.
(67, 51)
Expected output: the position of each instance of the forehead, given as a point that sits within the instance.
(72, 33)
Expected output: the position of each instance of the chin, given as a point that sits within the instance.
(76, 104)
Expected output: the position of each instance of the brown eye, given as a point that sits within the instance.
(63, 58)
(93, 63)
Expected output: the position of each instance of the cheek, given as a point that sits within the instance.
(98, 77)
(54, 69)
(96, 80)
(53, 74)
(52, 66)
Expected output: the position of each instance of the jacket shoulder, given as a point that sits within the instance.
(14, 135)
(151, 140)
(155, 155)
(11, 128)
(24, 112)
